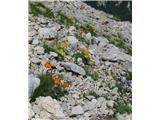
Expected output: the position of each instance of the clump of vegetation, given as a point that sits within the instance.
(90, 29)
(60, 53)
(84, 54)
(115, 40)
(42, 90)
(119, 85)
(80, 55)
(93, 93)
(38, 8)
(129, 51)
(87, 28)
(93, 74)
(129, 75)
(50, 86)
(117, 18)
(122, 107)
(81, 39)
(65, 19)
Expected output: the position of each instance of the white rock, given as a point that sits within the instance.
(92, 104)
(73, 67)
(113, 53)
(40, 50)
(102, 42)
(124, 117)
(48, 107)
(53, 54)
(71, 30)
(68, 77)
(89, 97)
(79, 60)
(33, 84)
(88, 36)
(75, 96)
(30, 111)
(35, 41)
(46, 33)
(101, 100)
(32, 33)
(77, 110)
(73, 42)
(110, 103)
(35, 60)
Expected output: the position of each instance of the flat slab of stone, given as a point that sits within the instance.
(74, 68)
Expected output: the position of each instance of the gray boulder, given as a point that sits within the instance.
(113, 53)
(46, 33)
(33, 82)
(73, 67)
(77, 110)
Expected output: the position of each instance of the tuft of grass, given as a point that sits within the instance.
(120, 88)
(94, 76)
(117, 18)
(80, 55)
(90, 72)
(48, 88)
(87, 28)
(122, 108)
(92, 93)
(65, 19)
(42, 90)
(90, 29)
(51, 49)
(129, 75)
(129, 51)
(115, 40)
(81, 39)
(38, 8)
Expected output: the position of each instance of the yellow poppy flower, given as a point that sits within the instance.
(91, 62)
(86, 55)
(84, 50)
(66, 44)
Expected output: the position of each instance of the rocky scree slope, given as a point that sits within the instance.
(80, 64)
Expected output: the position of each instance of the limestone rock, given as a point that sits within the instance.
(47, 108)
(34, 82)
(88, 36)
(113, 53)
(74, 68)
(46, 33)
(35, 41)
(77, 110)
(73, 42)
(53, 54)
(40, 50)
(35, 60)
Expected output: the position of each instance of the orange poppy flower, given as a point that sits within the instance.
(47, 65)
(65, 85)
(81, 30)
(57, 80)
